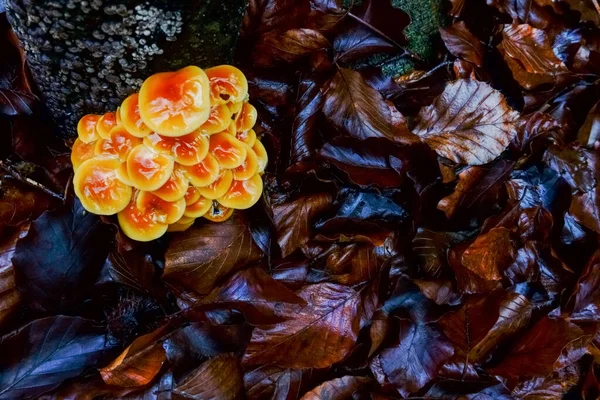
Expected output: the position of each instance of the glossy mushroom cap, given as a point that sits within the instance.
(188, 150)
(175, 188)
(105, 124)
(167, 212)
(227, 84)
(262, 156)
(181, 226)
(229, 152)
(199, 208)
(248, 137)
(80, 152)
(175, 103)
(147, 169)
(243, 194)
(246, 118)
(204, 173)
(192, 195)
(218, 121)
(219, 187)
(218, 213)
(140, 224)
(248, 168)
(131, 118)
(98, 188)
(119, 143)
(86, 128)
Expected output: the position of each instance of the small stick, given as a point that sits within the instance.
(28, 181)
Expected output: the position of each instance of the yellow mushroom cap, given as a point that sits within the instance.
(98, 188)
(246, 118)
(218, 213)
(165, 212)
(219, 187)
(175, 103)
(80, 152)
(248, 137)
(140, 224)
(228, 151)
(192, 195)
(181, 226)
(248, 168)
(235, 108)
(189, 149)
(261, 154)
(147, 169)
(86, 128)
(105, 124)
(119, 143)
(175, 188)
(199, 208)
(218, 121)
(203, 173)
(130, 116)
(243, 194)
(185, 220)
(227, 84)
(123, 175)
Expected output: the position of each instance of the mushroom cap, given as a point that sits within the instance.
(189, 149)
(261, 153)
(218, 213)
(218, 121)
(131, 119)
(248, 168)
(80, 152)
(192, 195)
(175, 188)
(119, 143)
(147, 169)
(185, 220)
(199, 208)
(227, 84)
(181, 226)
(219, 187)
(229, 152)
(140, 225)
(98, 188)
(123, 175)
(235, 108)
(105, 124)
(175, 103)
(246, 118)
(203, 173)
(165, 212)
(248, 137)
(86, 128)
(243, 194)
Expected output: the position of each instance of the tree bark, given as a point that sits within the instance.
(87, 56)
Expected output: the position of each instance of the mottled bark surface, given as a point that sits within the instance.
(87, 56)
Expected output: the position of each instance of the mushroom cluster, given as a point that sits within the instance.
(180, 149)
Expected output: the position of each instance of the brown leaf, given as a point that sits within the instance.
(9, 295)
(274, 383)
(204, 254)
(575, 164)
(462, 43)
(293, 220)
(337, 389)
(421, 351)
(470, 123)
(553, 386)
(217, 378)
(139, 363)
(490, 254)
(588, 10)
(584, 304)
(315, 336)
(359, 110)
(585, 208)
(305, 126)
(467, 179)
(589, 133)
(19, 203)
(289, 46)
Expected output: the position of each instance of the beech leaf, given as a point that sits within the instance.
(337, 389)
(10, 297)
(490, 254)
(462, 43)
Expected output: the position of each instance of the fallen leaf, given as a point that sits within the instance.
(10, 297)
(470, 123)
(275, 383)
(589, 133)
(305, 127)
(462, 43)
(490, 254)
(337, 389)
(19, 203)
(576, 165)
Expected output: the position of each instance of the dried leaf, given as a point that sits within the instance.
(337, 389)
(10, 297)
(470, 123)
(575, 164)
(304, 128)
(462, 43)
(274, 383)
(19, 203)
(589, 133)
(490, 254)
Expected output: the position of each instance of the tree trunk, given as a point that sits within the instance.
(87, 56)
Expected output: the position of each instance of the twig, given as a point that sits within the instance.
(28, 181)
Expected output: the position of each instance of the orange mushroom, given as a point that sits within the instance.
(243, 194)
(219, 187)
(165, 212)
(218, 213)
(192, 195)
(246, 118)
(147, 169)
(140, 224)
(261, 153)
(130, 115)
(105, 124)
(203, 173)
(227, 84)
(175, 103)
(218, 121)
(119, 143)
(185, 220)
(235, 108)
(80, 152)
(98, 188)
(175, 188)
(199, 208)
(181, 226)
(248, 168)
(248, 137)
(189, 149)
(86, 128)
(229, 152)
(123, 175)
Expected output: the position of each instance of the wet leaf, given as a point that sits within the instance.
(10, 297)
(462, 43)
(490, 254)
(589, 133)
(470, 123)
(305, 127)
(19, 203)
(575, 164)
(337, 389)
(274, 383)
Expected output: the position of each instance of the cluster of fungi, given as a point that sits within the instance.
(180, 149)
